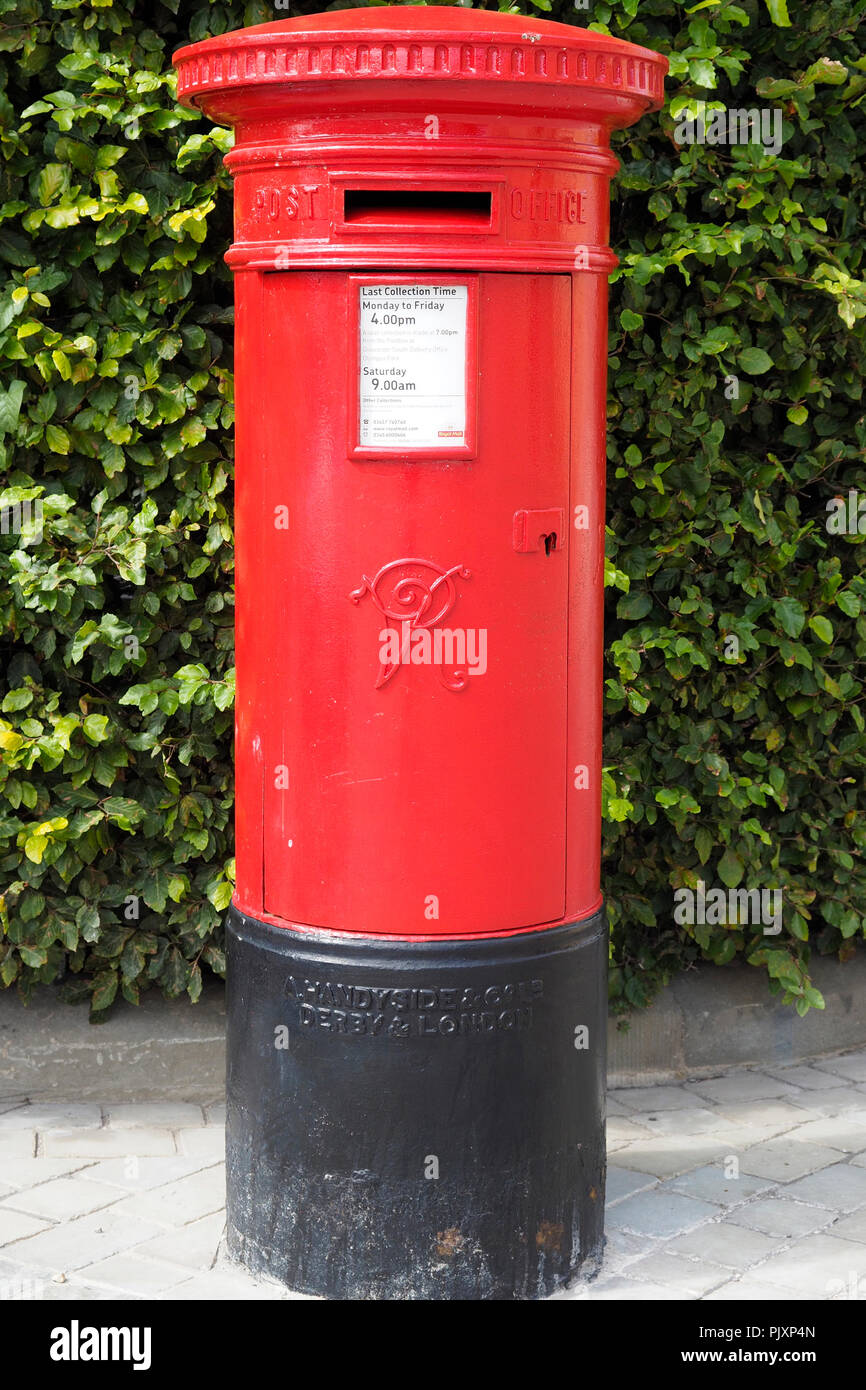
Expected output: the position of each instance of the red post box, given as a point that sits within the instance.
(417, 948)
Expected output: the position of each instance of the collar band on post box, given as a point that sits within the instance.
(356, 129)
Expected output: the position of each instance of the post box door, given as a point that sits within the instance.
(401, 794)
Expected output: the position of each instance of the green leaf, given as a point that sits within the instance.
(155, 889)
(791, 615)
(95, 727)
(104, 990)
(778, 12)
(31, 907)
(10, 406)
(704, 843)
(87, 922)
(754, 360)
(193, 431)
(53, 179)
(702, 72)
(730, 869)
(826, 71)
(822, 627)
(16, 699)
(848, 602)
(34, 847)
(634, 605)
(57, 439)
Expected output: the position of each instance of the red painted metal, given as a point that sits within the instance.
(391, 781)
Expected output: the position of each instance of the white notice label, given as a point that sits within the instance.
(412, 389)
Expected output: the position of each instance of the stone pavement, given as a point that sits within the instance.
(750, 1185)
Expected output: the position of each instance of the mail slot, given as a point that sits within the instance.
(417, 943)
(418, 208)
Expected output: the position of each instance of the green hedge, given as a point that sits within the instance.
(116, 412)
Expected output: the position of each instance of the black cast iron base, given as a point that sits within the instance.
(416, 1120)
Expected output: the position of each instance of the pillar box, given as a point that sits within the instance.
(417, 947)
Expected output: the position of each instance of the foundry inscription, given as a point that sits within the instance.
(378, 1010)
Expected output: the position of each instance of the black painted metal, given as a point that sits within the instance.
(416, 1120)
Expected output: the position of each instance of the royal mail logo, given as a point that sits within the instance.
(414, 597)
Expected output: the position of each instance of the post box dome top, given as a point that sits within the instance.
(426, 43)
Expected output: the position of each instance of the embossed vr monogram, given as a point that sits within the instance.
(414, 596)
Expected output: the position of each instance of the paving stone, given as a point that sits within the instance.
(620, 1131)
(754, 1291)
(621, 1289)
(220, 1286)
(620, 1249)
(622, 1182)
(75, 1290)
(658, 1098)
(812, 1263)
(129, 1273)
(183, 1201)
(694, 1120)
(18, 1285)
(850, 1227)
(612, 1106)
(767, 1116)
(840, 1188)
(81, 1242)
(686, 1277)
(658, 1213)
(852, 1067)
(15, 1225)
(847, 1288)
(740, 1086)
(17, 1143)
(667, 1158)
(133, 1174)
(194, 1246)
(21, 1285)
(809, 1077)
(100, 1143)
(206, 1145)
(614, 1146)
(63, 1199)
(711, 1184)
(844, 1132)
(784, 1159)
(215, 1113)
(168, 1116)
(28, 1172)
(46, 1118)
(723, 1244)
(836, 1100)
(745, 1137)
(780, 1216)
